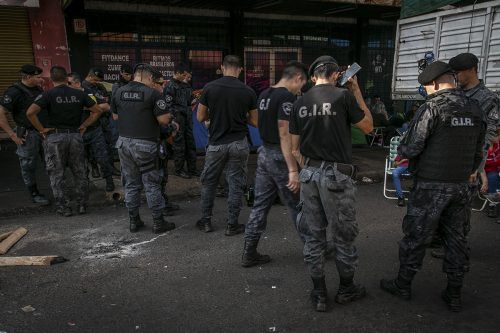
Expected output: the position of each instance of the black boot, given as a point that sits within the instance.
(95, 169)
(234, 229)
(251, 257)
(348, 291)
(397, 287)
(64, 211)
(319, 294)
(110, 185)
(453, 300)
(135, 222)
(182, 174)
(452, 295)
(204, 225)
(160, 225)
(36, 197)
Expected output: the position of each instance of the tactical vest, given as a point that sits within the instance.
(134, 104)
(450, 149)
(29, 98)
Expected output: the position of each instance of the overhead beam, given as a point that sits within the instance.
(387, 3)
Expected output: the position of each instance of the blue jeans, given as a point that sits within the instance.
(492, 181)
(396, 173)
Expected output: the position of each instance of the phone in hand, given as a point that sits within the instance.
(350, 72)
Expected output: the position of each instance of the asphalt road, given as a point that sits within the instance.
(187, 281)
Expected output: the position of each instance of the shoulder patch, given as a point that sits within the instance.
(7, 99)
(287, 107)
(38, 97)
(161, 104)
(168, 98)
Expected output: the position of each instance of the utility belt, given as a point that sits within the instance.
(64, 131)
(347, 169)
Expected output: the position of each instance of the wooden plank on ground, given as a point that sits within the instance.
(5, 235)
(31, 261)
(12, 239)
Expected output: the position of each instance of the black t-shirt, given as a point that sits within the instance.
(274, 104)
(17, 99)
(229, 100)
(86, 112)
(64, 106)
(323, 118)
(137, 107)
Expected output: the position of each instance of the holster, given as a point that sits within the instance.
(21, 131)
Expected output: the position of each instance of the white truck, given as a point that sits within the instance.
(474, 29)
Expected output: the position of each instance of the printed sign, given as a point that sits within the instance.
(111, 59)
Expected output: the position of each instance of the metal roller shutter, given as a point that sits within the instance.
(16, 47)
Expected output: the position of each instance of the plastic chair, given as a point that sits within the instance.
(389, 167)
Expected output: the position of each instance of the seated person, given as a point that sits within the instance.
(379, 113)
(401, 167)
(492, 167)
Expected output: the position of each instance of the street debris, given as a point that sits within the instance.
(11, 239)
(28, 308)
(31, 260)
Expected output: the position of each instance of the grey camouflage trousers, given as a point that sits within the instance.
(436, 207)
(327, 197)
(271, 179)
(65, 150)
(140, 169)
(28, 154)
(234, 156)
(96, 143)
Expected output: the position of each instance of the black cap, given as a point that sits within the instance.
(463, 61)
(433, 71)
(126, 68)
(97, 72)
(31, 70)
(321, 61)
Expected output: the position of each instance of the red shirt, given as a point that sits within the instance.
(404, 164)
(493, 160)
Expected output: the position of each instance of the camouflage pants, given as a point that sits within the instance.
(184, 147)
(327, 197)
(140, 169)
(65, 150)
(110, 134)
(436, 207)
(234, 155)
(28, 154)
(271, 179)
(96, 144)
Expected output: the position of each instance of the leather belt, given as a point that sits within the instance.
(347, 169)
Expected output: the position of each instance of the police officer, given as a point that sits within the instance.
(277, 171)
(232, 106)
(320, 125)
(93, 138)
(140, 110)
(64, 144)
(444, 145)
(92, 84)
(125, 77)
(167, 134)
(465, 66)
(17, 99)
(178, 92)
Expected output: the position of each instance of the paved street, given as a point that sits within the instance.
(187, 281)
